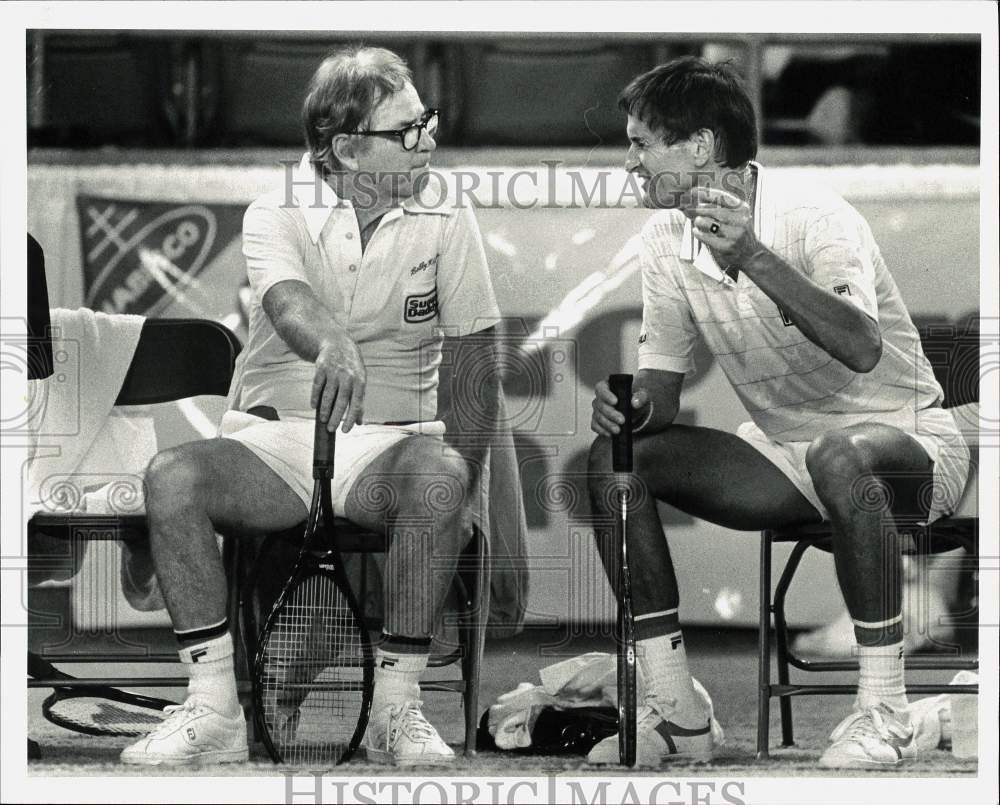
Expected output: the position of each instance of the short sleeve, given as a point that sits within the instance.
(838, 251)
(271, 245)
(467, 302)
(669, 333)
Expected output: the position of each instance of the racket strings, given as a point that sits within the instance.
(312, 678)
(95, 714)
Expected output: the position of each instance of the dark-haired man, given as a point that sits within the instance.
(788, 289)
(354, 278)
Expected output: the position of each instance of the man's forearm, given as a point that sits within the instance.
(303, 323)
(663, 390)
(832, 323)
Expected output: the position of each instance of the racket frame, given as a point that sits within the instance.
(39, 667)
(311, 562)
(621, 443)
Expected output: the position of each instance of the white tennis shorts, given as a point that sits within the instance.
(936, 432)
(287, 448)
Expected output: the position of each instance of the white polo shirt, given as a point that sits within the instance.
(792, 389)
(423, 275)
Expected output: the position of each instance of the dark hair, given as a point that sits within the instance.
(345, 91)
(682, 96)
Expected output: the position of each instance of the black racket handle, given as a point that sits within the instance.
(323, 447)
(621, 442)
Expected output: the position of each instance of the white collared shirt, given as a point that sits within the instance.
(423, 275)
(792, 389)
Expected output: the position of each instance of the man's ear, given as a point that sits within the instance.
(703, 143)
(344, 147)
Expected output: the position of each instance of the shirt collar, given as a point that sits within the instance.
(434, 199)
(692, 251)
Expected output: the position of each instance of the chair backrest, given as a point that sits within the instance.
(953, 351)
(178, 358)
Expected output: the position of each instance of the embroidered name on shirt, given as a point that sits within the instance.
(423, 265)
(420, 307)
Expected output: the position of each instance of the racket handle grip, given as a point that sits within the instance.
(323, 447)
(621, 442)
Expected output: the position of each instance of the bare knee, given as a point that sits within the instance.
(837, 462)
(434, 480)
(174, 481)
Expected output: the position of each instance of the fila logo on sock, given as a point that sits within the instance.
(676, 641)
(197, 655)
(388, 663)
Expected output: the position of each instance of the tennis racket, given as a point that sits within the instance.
(315, 671)
(621, 462)
(96, 710)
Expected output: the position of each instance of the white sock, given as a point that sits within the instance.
(397, 678)
(213, 680)
(881, 677)
(664, 668)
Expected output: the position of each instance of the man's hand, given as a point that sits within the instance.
(724, 223)
(338, 389)
(606, 419)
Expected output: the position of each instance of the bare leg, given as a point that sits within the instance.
(715, 476)
(192, 491)
(872, 479)
(708, 473)
(869, 477)
(418, 490)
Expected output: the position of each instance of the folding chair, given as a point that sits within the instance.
(953, 353)
(472, 593)
(961, 530)
(174, 359)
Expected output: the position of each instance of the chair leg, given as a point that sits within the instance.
(781, 637)
(231, 559)
(472, 660)
(764, 649)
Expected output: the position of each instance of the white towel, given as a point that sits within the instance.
(78, 442)
(86, 455)
(586, 680)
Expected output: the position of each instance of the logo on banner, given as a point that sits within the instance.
(139, 257)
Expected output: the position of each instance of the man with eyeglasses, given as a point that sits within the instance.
(355, 278)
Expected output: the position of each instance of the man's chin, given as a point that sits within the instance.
(653, 201)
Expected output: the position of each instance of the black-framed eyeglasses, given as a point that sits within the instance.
(409, 136)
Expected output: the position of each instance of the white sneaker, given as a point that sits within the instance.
(400, 735)
(659, 739)
(191, 734)
(873, 737)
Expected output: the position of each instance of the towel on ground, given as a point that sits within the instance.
(589, 680)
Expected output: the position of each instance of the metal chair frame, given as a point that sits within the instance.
(943, 535)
